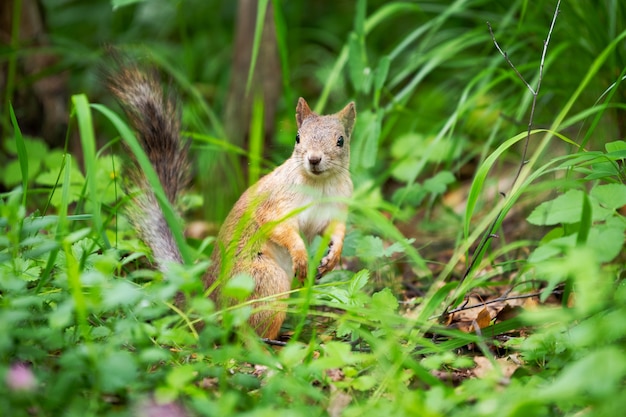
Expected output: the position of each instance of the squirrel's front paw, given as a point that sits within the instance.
(328, 263)
(300, 267)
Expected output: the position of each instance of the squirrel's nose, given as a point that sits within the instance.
(314, 159)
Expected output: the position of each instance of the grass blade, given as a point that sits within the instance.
(258, 33)
(88, 142)
(22, 155)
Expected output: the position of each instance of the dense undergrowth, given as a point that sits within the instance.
(441, 219)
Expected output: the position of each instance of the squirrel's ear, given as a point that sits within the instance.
(348, 116)
(302, 111)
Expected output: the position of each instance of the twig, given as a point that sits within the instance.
(489, 234)
(503, 297)
(534, 92)
(272, 342)
(495, 300)
(506, 57)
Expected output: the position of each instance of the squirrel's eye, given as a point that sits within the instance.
(340, 141)
(298, 137)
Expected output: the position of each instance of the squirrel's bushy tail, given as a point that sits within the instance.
(156, 119)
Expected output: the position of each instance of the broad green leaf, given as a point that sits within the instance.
(240, 286)
(116, 371)
(598, 373)
(397, 247)
(611, 196)
(439, 183)
(336, 355)
(607, 240)
(618, 145)
(100, 332)
(121, 293)
(364, 383)
(180, 376)
(370, 248)
(359, 280)
(566, 208)
(384, 301)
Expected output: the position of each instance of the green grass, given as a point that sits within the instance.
(90, 329)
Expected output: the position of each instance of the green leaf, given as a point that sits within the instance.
(180, 376)
(336, 355)
(100, 332)
(438, 184)
(370, 248)
(239, 286)
(116, 371)
(398, 247)
(597, 373)
(121, 293)
(551, 249)
(364, 383)
(384, 301)
(566, 208)
(618, 145)
(611, 196)
(359, 280)
(607, 241)
(26, 269)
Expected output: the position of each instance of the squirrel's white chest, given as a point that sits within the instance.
(319, 211)
(314, 220)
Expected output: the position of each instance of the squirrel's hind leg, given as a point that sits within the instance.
(274, 283)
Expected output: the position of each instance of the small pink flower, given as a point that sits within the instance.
(21, 378)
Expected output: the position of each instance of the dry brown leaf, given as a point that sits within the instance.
(507, 365)
(508, 312)
(339, 400)
(530, 303)
(483, 319)
(483, 366)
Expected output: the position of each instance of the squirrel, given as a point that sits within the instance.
(262, 235)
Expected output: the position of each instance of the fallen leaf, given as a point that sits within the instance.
(339, 400)
(484, 318)
(508, 312)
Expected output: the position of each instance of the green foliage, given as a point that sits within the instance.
(88, 329)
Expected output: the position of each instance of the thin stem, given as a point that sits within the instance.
(534, 92)
(489, 233)
(506, 57)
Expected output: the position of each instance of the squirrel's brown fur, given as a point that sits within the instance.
(262, 235)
